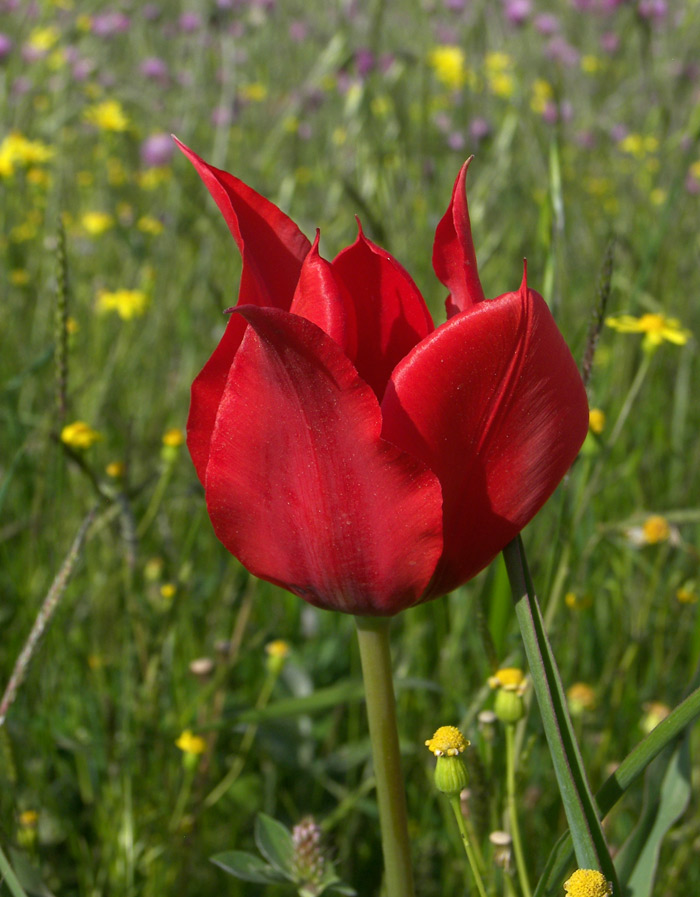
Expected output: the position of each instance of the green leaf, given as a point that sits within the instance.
(275, 843)
(666, 798)
(247, 867)
(632, 766)
(580, 807)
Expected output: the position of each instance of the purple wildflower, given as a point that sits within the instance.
(546, 24)
(517, 12)
(189, 22)
(6, 46)
(157, 150)
(107, 24)
(154, 69)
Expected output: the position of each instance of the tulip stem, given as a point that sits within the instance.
(373, 638)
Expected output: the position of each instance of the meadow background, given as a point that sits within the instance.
(584, 118)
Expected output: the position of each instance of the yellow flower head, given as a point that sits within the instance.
(654, 713)
(174, 437)
(581, 698)
(147, 224)
(448, 63)
(686, 595)
(447, 741)
(96, 223)
(596, 421)
(43, 39)
(79, 435)
(656, 529)
(254, 93)
(127, 303)
(588, 883)
(168, 590)
(115, 469)
(28, 818)
(509, 679)
(191, 744)
(277, 648)
(577, 602)
(656, 328)
(107, 116)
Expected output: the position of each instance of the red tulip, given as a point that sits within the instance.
(351, 452)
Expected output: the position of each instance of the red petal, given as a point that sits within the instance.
(322, 298)
(391, 313)
(493, 403)
(271, 244)
(300, 486)
(454, 259)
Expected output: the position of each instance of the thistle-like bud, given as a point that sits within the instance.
(450, 772)
(511, 684)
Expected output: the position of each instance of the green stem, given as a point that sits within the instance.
(456, 805)
(373, 638)
(513, 812)
(251, 731)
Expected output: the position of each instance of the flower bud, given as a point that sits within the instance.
(511, 684)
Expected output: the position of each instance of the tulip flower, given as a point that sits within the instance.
(350, 451)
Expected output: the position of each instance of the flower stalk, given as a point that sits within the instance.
(375, 657)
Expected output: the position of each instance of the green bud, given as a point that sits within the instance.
(450, 775)
(509, 706)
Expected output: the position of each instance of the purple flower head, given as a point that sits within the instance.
(652, 9)
(517, 12)
(154, 69)
(610, 42)
(157, 150)
(20, 86)
(364, 61)
(456, 141)
(455, 5)
(6, 46)
(618, 132)
(562, 52)
(150, 12)
(82, 69)
(479, 128)
(546, 24)
(107, 24)
(189, 22)
(298, 31)
(221, 116)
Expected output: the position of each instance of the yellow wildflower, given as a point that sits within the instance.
(277, 653)
(654, 713)
(190, 743)
(509, 679)
(581, 698)
(173, 437)
(19, 277)
(168, 590)
(150, 225)
(596, 421)
(542, 93)
(656, 529)
(128, 304)
(96, 223)
(590, 64)
(254, 93)
(577, 602)
(107, 116)
(656, 328)
(79, 435)
(448, 63)
(152, 178)
(28, 818)
(588, 883)
(447, 741)
(43, 39)
(115, 469)
(686, 595)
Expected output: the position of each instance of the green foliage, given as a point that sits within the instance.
(89, 742)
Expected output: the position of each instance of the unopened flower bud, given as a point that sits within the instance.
(277, 654)
(511, 684)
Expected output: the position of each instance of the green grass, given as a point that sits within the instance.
(89, 743)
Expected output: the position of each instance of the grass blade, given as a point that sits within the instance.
(579, 805)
